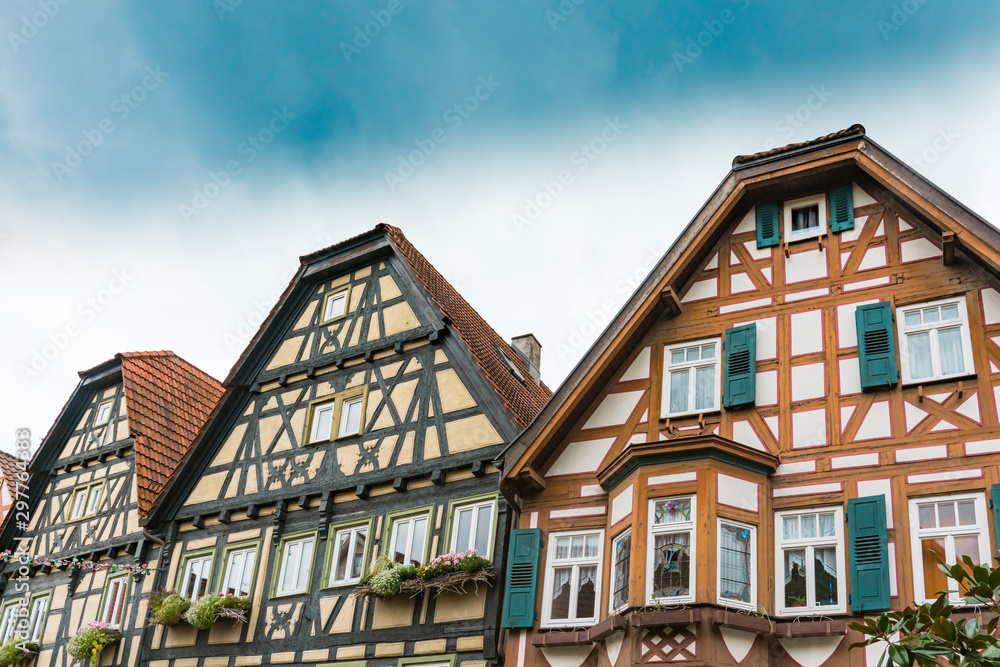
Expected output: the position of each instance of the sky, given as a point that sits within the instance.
(164, 163)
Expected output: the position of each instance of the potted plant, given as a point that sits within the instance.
(452, 571)
(206, 610)
(387, 578)
(167, 608)
(90, 640)
(17, 650)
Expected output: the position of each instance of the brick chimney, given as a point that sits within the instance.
(530, 351)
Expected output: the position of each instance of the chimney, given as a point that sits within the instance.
(530, 351)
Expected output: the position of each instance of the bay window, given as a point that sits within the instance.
(737, 564)
(621, 554)
(670, 576)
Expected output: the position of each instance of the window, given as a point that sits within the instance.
(511, 366)
(574, 578)
(737, 564)
(8, 620)
(322, 421)
(805, 218)
(472, 528)
(342, 413)
(196, 576)
(621, 554)
(691, 377)
(672, 536)
(114, 601)
(950, 527)
(349, 549)
(335, 305)
(104, 412)
(238, 579)
(85, 500)
(810, 560)
(934, 341)
(350, 416)
(296, 565)
(409, 537)
(36, 617)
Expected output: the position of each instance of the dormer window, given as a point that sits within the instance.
(510, 364)
(805, 218)
(335, 305)
(103, 413)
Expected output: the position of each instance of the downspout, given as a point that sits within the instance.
(156, 583)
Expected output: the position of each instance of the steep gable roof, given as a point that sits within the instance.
(753, 178)
(9, 469)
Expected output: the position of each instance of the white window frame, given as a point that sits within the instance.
(475, 507)
(327, 317)
(252, 559)
(351, 553)
(981, 529)
(280, 586)
(8, 620)
(410, 519)
(314, 435)
(692, 383)
(206, 575)
(812, 200)
(551, 564)
(681, 526)
(342, 416)
(808, 543)
(115, 601)
(93, 499)
(101, 421)
(81, 495)
(36, 617)
(902, 330)
(90, 496)
(727, 602)
(627, 533)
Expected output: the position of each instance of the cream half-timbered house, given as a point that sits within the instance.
(787, 422)
(362, 420)
(83, 555)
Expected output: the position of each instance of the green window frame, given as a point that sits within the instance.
(188, 556)
(116, 587)
(40, 626)
(427, 660)
(88, 510)
(331, 549)
(449, 540)
(394, 518)
(279, 558)
(223, 571)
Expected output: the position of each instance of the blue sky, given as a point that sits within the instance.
(185, 153)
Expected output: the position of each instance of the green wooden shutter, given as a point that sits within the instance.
(522, 578)
(869, 554)
(842, 208)
(740, 387)
(996, 511)
(876, 346)
(768, 230)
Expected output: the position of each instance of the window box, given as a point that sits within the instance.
(450, 572)
(666, 617)
(91, 640)
(208, 609)
(168, 609)
(760, 625)
(827, 628)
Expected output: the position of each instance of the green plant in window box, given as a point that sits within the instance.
(452, 571)
(387, 578)
(206, 610)
(17, 650)
(90, 640)
(167, 607)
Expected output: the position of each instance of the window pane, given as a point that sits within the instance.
(805, 219)
(918, 349)
(952, 358)
(967, 513)
(671, 564)
(674, 510)
(562, 547)
(704, 397)
(931, 315)
(735, 563)
(587, 592)
(795, 578)
(935, 581)
(927, 517)
(234, 572)
(946, 515)
(561, 581)
(623, 556)
(335, 305)
(92, 497)
(463, 529)
(419, 535)
(949, 312)
(248, 562)
(322, 423)
(911, 318)
(302, 580)
(825, 572)
(342, 555)
(808, 522)
(290, 567)
(350, 422)
(676, 356)
(357, 560)
(708, 351)
(484, 525)
(827, 527)
(78, 500)
(967, 546)
(402, 539)
(679, 389)
(590, 550)
(693, 354)
(790, 527)
(576, 550)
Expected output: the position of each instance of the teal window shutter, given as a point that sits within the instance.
(740, 386)
(876, 346)
(768, 230)
(842, 208)
(996, 511)
(522, 578)
(869, 554)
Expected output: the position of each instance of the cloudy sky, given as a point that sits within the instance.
(164, 163)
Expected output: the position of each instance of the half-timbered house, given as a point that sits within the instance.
(786, 424)
(361, 422)
(84, 557)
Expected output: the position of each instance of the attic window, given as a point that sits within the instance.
(510, 364)
(335, 305)
(805, 218)
(103, 413)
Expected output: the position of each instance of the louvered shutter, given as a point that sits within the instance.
(522, 578)
(876, 346)
(869, 554)
(768, 230)
(842, 208)
(740, 386)
(996, 511)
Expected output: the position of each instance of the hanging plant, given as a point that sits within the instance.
(167, 608)
(15, 650)
(206, 610)
(90, 640)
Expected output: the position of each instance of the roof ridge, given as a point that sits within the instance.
(856, 130)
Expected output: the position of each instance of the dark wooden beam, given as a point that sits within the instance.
(948, 244)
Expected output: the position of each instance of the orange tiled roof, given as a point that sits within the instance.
(168, 401)
(10, 468)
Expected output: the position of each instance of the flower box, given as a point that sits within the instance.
(757, 624)
(665, 617)
(451, 572)
(208, 609)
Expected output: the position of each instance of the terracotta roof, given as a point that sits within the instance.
(522, 396)
(168, 401)
(10, 468)
(853, 131)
